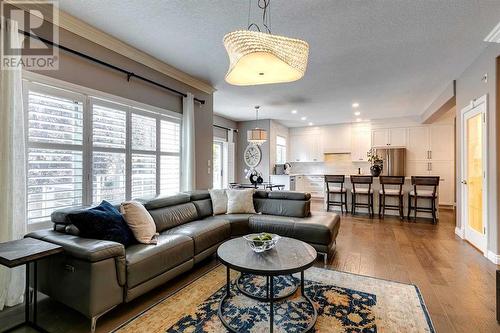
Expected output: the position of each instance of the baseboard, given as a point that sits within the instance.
(459, 232)
(493, 257)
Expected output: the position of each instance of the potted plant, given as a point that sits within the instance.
(376, 162)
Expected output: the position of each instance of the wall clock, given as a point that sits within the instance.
(252, 156)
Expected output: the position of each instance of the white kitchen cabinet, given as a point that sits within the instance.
(417, 168)
(299, 183)
(442, 142)
(361, 143)
(443, 169)
(336, 139)
(312, 184)
(389, 137)
(418, 144)
(306, 146)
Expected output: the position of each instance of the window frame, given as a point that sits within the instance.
(89, 97)
(283, 147)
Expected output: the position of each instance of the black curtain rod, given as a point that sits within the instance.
(226, 128)
(116, 68)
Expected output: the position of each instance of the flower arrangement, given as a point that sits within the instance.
(373, 158)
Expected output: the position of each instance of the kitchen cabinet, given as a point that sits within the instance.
(336, 139)
(313, 184)
(306, 146)
(418, 143)
(443, 169)
(361, 143)
(442, 142)
(389, 137)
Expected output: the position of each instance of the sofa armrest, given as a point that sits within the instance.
(91, 250)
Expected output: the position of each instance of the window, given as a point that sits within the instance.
(280, 149)
(83, 149)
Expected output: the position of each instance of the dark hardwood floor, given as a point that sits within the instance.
(456, 280)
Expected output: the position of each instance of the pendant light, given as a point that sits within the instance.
(257, 136)
(257, 57)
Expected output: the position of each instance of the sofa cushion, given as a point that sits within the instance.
(147, 261)
(172, 216)
(240, 201)
(283, 207)
(167, 201)
(203, 207)
(219, 201)
(321, 228)
(140, 222)
(198, 194)
(238, 223)
(102, 222)
(289, 195)
(205, 233)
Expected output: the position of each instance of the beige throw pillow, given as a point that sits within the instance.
(219, 201)
(240, 201)
(140, 222)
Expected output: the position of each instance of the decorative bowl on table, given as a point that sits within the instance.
(262, 242)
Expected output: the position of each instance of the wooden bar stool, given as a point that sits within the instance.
(368, 191)
(391, 192)
(337, 188)
(423, 194)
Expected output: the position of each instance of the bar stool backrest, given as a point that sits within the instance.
(361, 180)
(428, 181)
(334, 179)
(392, 180)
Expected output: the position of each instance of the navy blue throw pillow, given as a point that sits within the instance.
(103, 222)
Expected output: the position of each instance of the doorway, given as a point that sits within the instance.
(218, 164)
(474, 182)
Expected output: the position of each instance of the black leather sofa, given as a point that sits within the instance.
(93, 276)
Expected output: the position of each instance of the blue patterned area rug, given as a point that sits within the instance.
(344, 303)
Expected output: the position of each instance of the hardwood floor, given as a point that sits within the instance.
(456, 281)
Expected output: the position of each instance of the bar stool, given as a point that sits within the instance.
(391, 192)
(425, 194)
(368, 191)
(337, 189)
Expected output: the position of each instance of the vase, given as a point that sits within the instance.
(375, 170)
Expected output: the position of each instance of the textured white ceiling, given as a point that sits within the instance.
(392, 56)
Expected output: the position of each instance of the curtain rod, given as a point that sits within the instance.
(103, 63)
(226, 128)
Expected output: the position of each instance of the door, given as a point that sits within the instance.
(417, 168)
(474, 173)
(418, 143)
(218, 164)
(442, 140)
(298, 148)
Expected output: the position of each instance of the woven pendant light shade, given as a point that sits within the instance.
(257, 136)
(263, 58)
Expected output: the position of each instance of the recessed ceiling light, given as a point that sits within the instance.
(357, 113)
(303, 118)
(294, 111)
(355, 105)
(310, 124)
(358, 120)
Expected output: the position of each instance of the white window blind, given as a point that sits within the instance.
(54, 153)
(83, 149)
(280, 149)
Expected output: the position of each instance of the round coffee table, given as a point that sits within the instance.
(289, 256)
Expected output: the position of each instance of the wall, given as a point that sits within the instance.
(276, 129)
(221, 133)
(263, 167)
(82, 72)
(470, 86)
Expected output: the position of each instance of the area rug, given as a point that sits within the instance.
(344, 303)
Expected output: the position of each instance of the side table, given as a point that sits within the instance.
(24, 252)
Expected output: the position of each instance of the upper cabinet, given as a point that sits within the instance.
(361, 143)
(306, 145)
(418, 143)
(389, 137)
(337, 139)
(442, 142)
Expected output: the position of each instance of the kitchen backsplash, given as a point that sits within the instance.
(334, 164)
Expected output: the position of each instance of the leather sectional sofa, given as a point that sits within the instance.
(93, 276)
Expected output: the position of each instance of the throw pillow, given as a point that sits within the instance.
(103, 222)
(219, 201)
(140, 222)
(240, 201)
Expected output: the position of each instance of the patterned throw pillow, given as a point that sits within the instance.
(240, 201)
(219, 201)
(140, 222)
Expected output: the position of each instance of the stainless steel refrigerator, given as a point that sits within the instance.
(394, 161)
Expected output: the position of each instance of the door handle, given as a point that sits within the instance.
(464, 182)
(430, 154)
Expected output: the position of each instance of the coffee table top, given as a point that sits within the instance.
(287, 257)
(21, 251)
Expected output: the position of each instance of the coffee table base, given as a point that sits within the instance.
(270, 299)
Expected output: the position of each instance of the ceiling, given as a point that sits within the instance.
(393, 57)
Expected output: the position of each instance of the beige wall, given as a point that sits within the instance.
(470, 86)
(85, 73)
(263, 167)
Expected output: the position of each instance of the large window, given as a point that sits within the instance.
(82, 149)
(280, 149)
